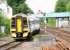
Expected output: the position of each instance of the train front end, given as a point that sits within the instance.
(19, 27)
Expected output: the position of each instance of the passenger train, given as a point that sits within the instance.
(24, 27)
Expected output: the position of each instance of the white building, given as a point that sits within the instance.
(7, 10)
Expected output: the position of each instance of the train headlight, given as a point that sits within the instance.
(13, 35)
(25, 34)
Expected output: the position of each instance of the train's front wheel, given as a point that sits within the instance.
(29, 37)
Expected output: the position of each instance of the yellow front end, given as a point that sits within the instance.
(13, 32)
(19, 31)
(13, 27)
(25, 32)
(19, 24)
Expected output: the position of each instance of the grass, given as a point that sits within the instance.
(52, 22)
(3, 34)
(40, 36)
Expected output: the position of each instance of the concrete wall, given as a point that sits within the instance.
(62, 22)
(69, 21)
(2, 29)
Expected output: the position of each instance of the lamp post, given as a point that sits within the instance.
(45, 21)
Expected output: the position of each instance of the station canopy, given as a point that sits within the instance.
(57, 14)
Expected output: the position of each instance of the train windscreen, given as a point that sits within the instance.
(24, 20)
(13, 23)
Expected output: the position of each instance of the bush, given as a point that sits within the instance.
(7, 24)
(4, 22)
(3, 34)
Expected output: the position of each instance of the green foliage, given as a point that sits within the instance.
(61, 5)
(4, 22)
(68, 6)
(3, 34)
(19, 6)
(51, 22)
(2, 19)
(7, 24)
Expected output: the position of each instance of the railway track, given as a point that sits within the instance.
(10, 45)
(61, 45)
(58, 33)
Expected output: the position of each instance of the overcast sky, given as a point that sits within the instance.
(43, 5)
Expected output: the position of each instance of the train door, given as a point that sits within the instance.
(19, 24)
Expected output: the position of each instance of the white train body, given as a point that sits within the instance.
(34, 23)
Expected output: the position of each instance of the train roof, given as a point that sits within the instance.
(20, 14)
(32, 17)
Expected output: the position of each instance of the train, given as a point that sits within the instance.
(24, 26)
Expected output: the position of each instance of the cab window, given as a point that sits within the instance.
(24, 20)
(13, 22)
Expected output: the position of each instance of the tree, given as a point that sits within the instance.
(7, 24)
(19, 6)
(4, 22)
(2, 19)
(68, 6)
(61, 5)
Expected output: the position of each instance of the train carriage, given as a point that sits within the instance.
(23, 26)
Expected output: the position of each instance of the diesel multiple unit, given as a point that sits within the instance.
(22, 26)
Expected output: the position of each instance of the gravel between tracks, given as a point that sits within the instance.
(5, 40)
